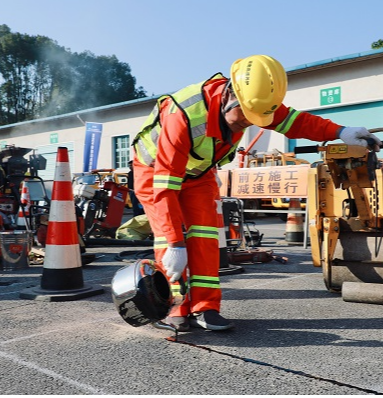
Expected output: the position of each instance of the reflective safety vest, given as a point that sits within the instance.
(191, 102)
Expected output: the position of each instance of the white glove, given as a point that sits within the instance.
(174, 261)
(359, 136)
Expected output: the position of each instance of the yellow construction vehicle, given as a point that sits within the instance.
(346, 220)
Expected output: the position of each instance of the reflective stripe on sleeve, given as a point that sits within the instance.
(285, 126)
(168, 182)
(160, 242)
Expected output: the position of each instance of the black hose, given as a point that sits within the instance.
(116, 242)
(139, 254)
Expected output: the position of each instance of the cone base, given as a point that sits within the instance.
(230, 270)
(224, 267)
(294, 237)
(62, 279)
(39, 294)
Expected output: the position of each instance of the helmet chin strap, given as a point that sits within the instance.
(226, 92)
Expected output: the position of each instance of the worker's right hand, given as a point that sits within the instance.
(359, 136)
(174, 261)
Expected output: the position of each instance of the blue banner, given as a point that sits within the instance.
(92, 145)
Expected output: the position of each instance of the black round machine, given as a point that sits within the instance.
(141, 293)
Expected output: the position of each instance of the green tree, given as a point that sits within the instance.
(39, 78)
(101, 80)
(377, 44)
(26, 78)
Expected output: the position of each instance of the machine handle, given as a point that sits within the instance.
(371, 143)
(183, 289)
(376, 130)
(307, 149)
(318, 148)
(102, 170)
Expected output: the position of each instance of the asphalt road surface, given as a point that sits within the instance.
(292, 336)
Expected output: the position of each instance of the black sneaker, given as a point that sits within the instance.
(210, 320)
(179, 323)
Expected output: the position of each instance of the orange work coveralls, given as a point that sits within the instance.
(173, 212)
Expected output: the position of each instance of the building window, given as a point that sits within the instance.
(121, 151)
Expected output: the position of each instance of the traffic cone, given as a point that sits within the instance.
(25, 204)
(294, 223)
(62, 278)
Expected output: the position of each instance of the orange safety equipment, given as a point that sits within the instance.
(260, 85)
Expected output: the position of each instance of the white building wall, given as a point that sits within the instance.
(116, 122)
(360, 82)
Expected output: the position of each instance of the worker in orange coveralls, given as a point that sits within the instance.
(186, 135)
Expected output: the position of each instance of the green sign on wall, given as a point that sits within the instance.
(54, 138)
(330, 96)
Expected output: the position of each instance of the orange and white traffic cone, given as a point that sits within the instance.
(62, 278)
(294, 223)
(25, 204)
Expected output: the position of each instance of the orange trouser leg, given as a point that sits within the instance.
(197, 200)
(199, 208)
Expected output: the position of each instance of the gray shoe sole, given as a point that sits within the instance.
(201, 324)
(165, 326)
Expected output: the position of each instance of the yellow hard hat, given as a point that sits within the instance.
(260, 84)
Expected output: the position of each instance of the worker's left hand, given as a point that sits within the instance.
(359, 136)
(174, 261)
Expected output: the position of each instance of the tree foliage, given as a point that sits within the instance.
(377, 44)
(39, 78)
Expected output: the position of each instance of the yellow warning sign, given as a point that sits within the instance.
(266, 182)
